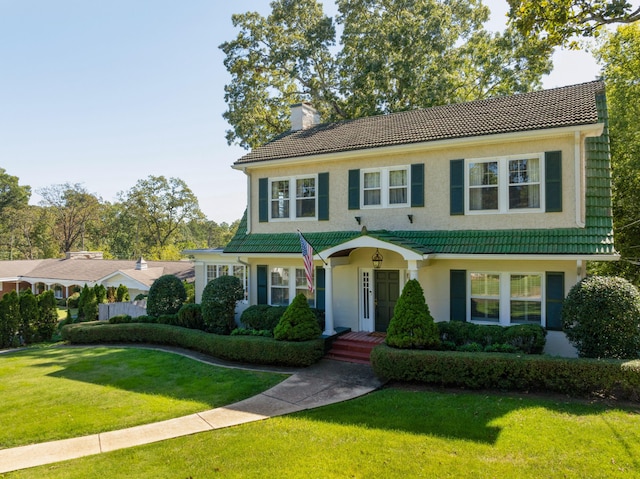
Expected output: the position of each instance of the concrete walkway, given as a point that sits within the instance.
(326, 382)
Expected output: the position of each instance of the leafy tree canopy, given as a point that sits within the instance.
(561, 20)
(619, 56)
(393, 55)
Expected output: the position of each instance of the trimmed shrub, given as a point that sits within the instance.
(523, 338)
(90, 306)
(122, 294)
(412, 325)
(171, 319)
(298, 323)
(190, 316)
(101, 293)
(166, 296)
(48, 317)
(72, 301)
(29, 316)
(140, 297)
(219, 299)
(262, 316)
(120, 319)
(601, 317)
(265, 333)
(575, 377)
(82, 299)
(9, 320)
(246, 349)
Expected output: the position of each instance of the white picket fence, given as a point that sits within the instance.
(132, 308)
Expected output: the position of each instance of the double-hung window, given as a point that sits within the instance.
(280, 286)
(299, 190)
(506, 298)
(503, 185)
(384, 187)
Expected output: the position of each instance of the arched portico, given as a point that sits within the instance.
(354, 286)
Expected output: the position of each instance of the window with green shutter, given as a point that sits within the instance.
(456, 187)
(553, 181)
(417, 185)
(262, 283)
(263, 200)
(458, 295)
(323, 196)
(554, 300)
(354, 189)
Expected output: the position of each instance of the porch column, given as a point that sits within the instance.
(412, 265)
(328, 300)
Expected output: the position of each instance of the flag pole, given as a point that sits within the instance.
(318, 254)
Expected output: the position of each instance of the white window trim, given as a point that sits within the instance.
(292, 198)
(384, 187)
(505, 297)
(292, 284)
(503, 184)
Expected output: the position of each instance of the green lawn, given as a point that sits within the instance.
(57, 393)
(395, 433)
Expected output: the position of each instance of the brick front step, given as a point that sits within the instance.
(354, 347)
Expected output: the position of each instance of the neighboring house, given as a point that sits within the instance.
(495, 206)
(64, 276)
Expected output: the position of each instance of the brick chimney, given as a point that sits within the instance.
(303, 116)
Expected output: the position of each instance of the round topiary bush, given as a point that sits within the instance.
(166, 296)
(298, 323)
(601, 317)
(218, 305)
(412, 326)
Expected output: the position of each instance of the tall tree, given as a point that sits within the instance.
(619, 56)
(160, 207)
(561, 21)
(73, 209)
(13, 199)
(393, 55)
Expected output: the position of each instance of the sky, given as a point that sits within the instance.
(106, 93)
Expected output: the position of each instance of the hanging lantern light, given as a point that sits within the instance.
(377, 259)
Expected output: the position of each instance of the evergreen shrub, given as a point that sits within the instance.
(122, 294)
(190, 316)
(166, 296)
(521, 338)
(9, 320)
(29, 317)
(47, 317)
(245, 349)
(412, 325)
(262, 316)
(298, 323)
(219, 299)
(601, 318)
(120, 319)
(72, 301)
(575, 377)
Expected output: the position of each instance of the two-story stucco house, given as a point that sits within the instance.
(493, 205)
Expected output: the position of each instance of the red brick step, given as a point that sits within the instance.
(355, 347)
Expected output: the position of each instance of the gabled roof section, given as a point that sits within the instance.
(559, 107)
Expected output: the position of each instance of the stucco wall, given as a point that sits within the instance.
(435, 215)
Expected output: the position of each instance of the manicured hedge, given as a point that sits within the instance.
(575, 377)
(247, 349)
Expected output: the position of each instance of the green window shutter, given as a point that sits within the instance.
(553, 181)
(456, 187)
(320, 288)
(417, 184)
(458, 295)
(263, 283)
(263, 200)
(354, 189)
(323, 196)
(554, 300)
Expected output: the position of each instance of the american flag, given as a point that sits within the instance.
(307, 255)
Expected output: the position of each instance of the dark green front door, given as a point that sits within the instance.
(387, 290)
